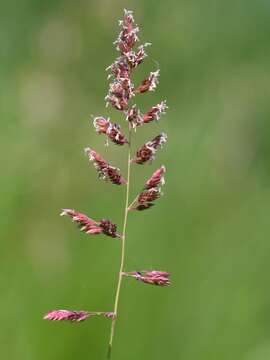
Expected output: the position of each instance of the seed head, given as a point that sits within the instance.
(121, 90)
(105, 171)
(156, 179)
(86, 224)
(135, 58)
(90, 226)
(77, 316)
(148, 150)
(152, 277)
(104, 126)
(151, 192)
(149, 83)
(154, 113)
(149, 195)
(145, 199)
(59, 315)
(128, 35)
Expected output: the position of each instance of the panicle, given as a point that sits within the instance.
(104, 126)
(121, 90)
(148, 150)
(149, 83)
(59, 315)
(105, 170)
(152, 277)
(90, 226)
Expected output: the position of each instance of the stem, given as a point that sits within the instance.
(121, 269)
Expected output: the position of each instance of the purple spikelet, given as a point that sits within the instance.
(90, 226)
(74, 316)
(148, 150)
(60, 315)
(104, 169)
(152, 277)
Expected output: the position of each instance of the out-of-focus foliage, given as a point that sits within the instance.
(211, 229)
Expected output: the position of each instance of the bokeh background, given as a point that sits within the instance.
(211, 229)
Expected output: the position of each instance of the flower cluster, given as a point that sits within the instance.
(128, 34)
(105, 170)
(90, 226)
(156, 179)
(121, 91)
(104, 126)
(152, 277)
(136, 118)
(151, 192)
(148, 150)
(155, 112)
(149, 83)
(74, 316)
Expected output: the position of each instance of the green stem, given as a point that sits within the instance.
(121, 269)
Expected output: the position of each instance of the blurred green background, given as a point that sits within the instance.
(211, 229)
